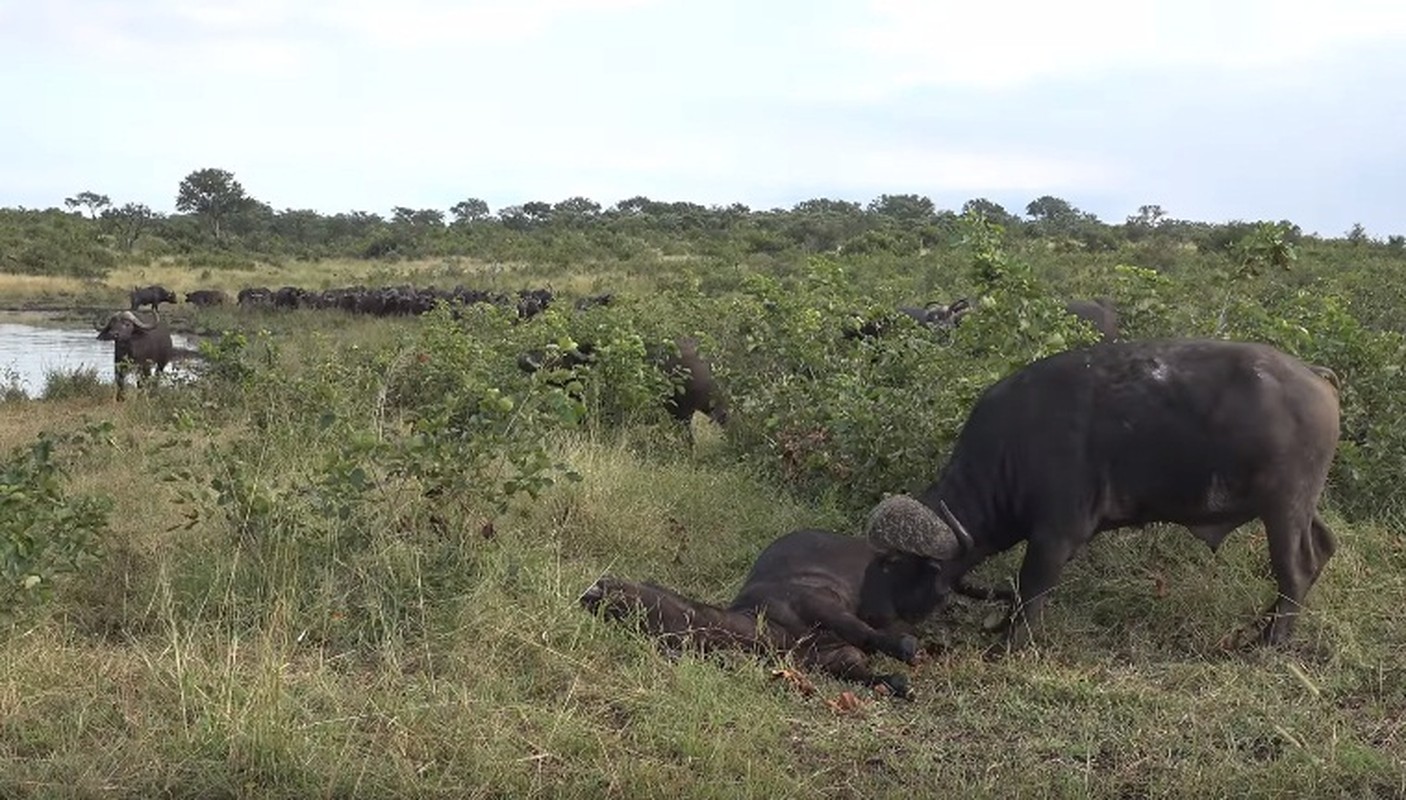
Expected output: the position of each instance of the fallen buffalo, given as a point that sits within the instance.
(1203, 433)
(828, 598)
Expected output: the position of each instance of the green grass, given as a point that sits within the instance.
(407, 651)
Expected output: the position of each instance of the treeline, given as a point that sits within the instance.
(218, 224)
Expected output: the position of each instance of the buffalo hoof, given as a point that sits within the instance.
(897, 685)
(908, 648)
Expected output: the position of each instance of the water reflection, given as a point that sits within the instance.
(28, 353)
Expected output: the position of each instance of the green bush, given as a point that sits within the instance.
(44, 531)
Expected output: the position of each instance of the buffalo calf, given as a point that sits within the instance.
(828, 598)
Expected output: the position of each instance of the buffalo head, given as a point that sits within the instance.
(124, 325)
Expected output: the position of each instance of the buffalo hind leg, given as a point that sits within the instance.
(1297, 554)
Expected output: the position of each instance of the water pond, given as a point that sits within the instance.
(28, 353)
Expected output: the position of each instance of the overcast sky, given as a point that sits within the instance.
(1238, 109)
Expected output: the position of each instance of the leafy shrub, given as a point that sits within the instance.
(80, 382)
(44, 531)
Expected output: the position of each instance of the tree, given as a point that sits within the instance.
(128, 222)
(213, 194)
(908, 209)
(427, 218)
(537, 211)
(1357, 234)
(1051, 209)
(1149, 216)
(824, 205)
(990, 209)
(635, 206)
(577, 207)
(470, 210)
(93, 201)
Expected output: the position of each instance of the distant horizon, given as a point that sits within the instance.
(1015, 210)
(1215, 112)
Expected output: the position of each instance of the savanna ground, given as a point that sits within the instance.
(345, 561)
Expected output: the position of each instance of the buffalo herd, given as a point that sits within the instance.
(1206, 434)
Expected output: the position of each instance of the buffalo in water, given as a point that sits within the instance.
(138, 344)
(1207, 434)
(153, 296)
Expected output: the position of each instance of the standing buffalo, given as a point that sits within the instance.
(204, 298)
(1202, 433)
(136, 343)
(830, 598)
(695, 389)
(1100, 313)
(252, 296)
(151, 296)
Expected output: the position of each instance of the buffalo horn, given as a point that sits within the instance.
(135, 320)
(958, 529)
(901, 522)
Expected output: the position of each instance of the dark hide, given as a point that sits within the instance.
(204, 298)
(1202, 433)
(591, 301)
(695, 389)
(830, 599)
(136, 344)
(1100, 313)
(151, 296)
(938, 316)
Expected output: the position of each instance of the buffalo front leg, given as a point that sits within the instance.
(840, 621)
(120, 377)
(1045, 557)
(849, 663)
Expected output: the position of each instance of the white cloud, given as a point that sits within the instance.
(938, 169)
(415, 23)
(926, 43)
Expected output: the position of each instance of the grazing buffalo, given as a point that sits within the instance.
(252, 296)
(151, 296)
(830, 599)
(532, 302)
(695, 389)
(583, 303)
(935, 315)
(136, 343)
(1207, 434)
(204, 298)
(1100, 313)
